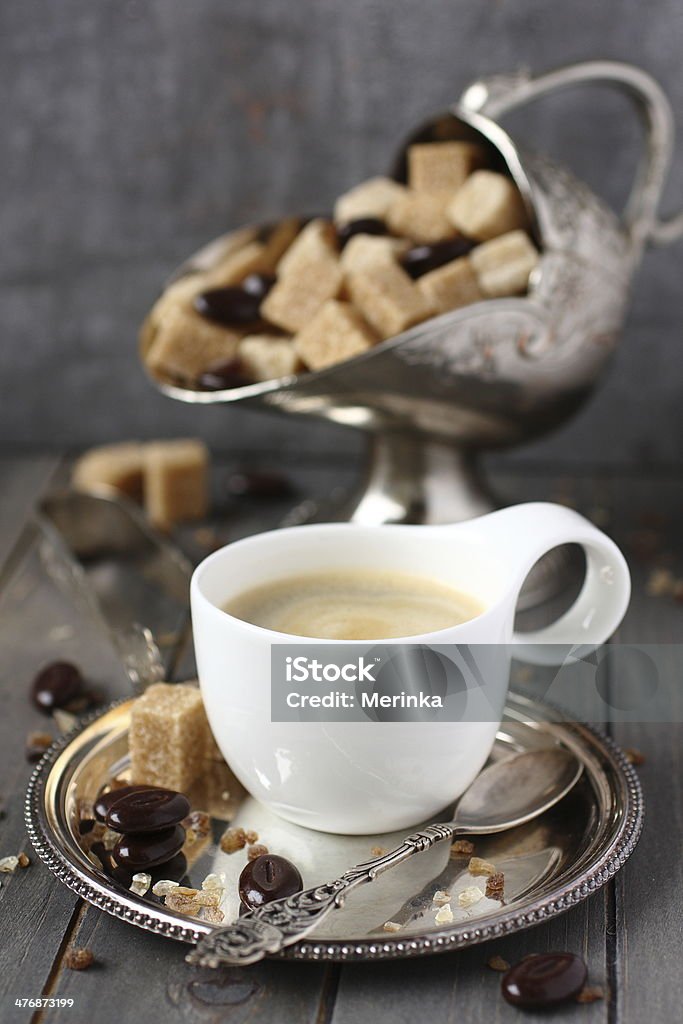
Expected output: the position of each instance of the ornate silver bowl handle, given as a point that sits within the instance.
(283, 922)
(498, 94)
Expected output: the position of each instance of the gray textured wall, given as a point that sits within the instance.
(138, 129)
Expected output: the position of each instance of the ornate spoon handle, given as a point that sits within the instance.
(281, 923)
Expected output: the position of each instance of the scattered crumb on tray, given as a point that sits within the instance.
(78, 958)
(590, 994)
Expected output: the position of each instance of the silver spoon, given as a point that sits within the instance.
(509, 793)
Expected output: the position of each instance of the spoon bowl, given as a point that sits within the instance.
(517, 789)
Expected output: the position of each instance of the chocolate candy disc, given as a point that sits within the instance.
(267, 878)
(232, 306)
(149, 849)
(56, 685)
(423, 258)
(260, 483)
(174, 869)
(544, 979)
(227, 374)
(258, 285)
(147, 810)
(361, 226)
(107, 800)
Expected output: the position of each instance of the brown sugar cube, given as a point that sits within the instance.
(180, 293)
(116, 467)
(183, 344)
(176, 481)
(504, 264)
(362, 250)
(251, 259)
(308, 275)
(294, 300)
(486, 206)
(451, 286)
(336, 333)
(388, 299)
(420, 216)
(219, 250)
(317, 241)
(167, 736)
(372, 198)
(265, 356)
(279, 241)
(442, 166)
(213, 270)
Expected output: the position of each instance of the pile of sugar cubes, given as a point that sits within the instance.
(307, 295)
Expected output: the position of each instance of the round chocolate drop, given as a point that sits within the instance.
(231, 306)
(260, 483)
(423, 258)
(267, 878)
(56, 685)
(149, 849)
(107, 800)
(174, 869)
(105, 858)
(258, 285)
(544, 979)
(229, 373)
(360, 226)
(148, 810)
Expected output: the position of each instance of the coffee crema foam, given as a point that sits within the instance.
(354, 604)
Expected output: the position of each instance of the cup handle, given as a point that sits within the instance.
(521, 535)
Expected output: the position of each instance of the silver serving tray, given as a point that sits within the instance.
(550, 864)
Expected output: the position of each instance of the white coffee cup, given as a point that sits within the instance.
(370, 777)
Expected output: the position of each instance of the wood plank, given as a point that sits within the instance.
(649, 905)
(138, 973)
(35, 908)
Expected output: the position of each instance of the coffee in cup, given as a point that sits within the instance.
(354, 604)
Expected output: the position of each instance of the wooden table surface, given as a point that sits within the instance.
(630, 932)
